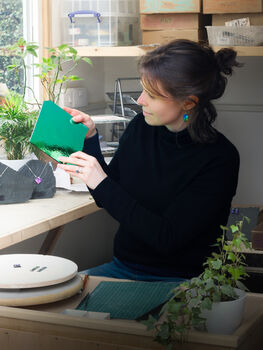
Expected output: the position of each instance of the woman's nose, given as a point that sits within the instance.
(141, 99)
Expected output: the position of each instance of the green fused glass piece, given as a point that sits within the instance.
(56, 134)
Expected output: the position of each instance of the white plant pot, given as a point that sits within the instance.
(225, 316)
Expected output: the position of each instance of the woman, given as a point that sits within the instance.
(172, 179)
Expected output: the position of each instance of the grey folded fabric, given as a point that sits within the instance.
(43, 177)
(14, 187)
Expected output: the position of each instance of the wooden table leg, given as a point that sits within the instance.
(51, 240)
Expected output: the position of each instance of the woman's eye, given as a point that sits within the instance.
(151, 96)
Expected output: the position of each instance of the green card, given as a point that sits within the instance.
(55, 132)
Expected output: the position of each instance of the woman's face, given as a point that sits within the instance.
(165, 111)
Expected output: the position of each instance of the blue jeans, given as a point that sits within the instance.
(116, 269)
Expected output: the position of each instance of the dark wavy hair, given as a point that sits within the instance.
(184, 68)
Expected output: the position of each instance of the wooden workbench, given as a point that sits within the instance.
(26, 220)
(44, 327)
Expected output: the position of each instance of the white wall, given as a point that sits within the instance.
(240, 118)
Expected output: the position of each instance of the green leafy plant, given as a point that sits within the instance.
(224, 271)
(16, 120)
(51, 69)
(16, 125)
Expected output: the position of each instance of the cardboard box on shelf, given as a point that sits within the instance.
(255, 19)
(170, 6)
(164, 36)
(166, 21)
(232, 6)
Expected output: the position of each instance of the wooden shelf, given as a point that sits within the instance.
(135, 51)
(245, 50)
(114, 51)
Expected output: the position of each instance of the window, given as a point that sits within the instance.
(18, 18)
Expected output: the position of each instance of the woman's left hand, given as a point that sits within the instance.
(85, 167)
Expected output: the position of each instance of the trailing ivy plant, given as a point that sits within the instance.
(224, 271)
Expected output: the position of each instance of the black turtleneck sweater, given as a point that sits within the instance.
(169, 194)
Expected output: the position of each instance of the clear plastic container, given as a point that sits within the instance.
(112, 23)
(235, 36)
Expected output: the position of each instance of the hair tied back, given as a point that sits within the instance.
(226, 60)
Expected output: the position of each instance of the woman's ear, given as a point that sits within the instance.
(190, 103)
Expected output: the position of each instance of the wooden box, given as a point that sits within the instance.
(44, 327)
(170, 6)
(232, 6)
(164, 36)
(256, 19)
(168, 21)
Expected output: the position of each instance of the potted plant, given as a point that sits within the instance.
(17, 117)
(16, 125)
(194, 301)
(53, 75)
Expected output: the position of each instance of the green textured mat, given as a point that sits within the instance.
(127, 300)
(56, 134)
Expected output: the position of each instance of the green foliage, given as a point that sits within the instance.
(51, 73)
(224, 271)
(52, 67)
(17, 122)
(16, 126)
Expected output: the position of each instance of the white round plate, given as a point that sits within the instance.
(43, 295)
(34, 270)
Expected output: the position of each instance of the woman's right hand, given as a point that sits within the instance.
(81, 117)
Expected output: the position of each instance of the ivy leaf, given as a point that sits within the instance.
(228, 291)
(231, 256)
(234, 228)
(206, 304)
(217, 264)
(150, 323)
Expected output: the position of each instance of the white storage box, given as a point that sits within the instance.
(74, 97)
(235, 36)
(112, 23)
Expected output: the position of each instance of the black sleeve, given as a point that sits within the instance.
(186, 216)
(92, 147)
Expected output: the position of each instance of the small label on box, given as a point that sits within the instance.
(74, 31)
(240, 22)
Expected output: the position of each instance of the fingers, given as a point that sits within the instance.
(75, 157)
(73, 169)
(71, 111)
(80, 117)
(77, 115)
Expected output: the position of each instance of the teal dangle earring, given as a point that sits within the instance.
(186, 117)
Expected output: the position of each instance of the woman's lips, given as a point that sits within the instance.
(146, 113)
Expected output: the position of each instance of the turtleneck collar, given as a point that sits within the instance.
(181, 138)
